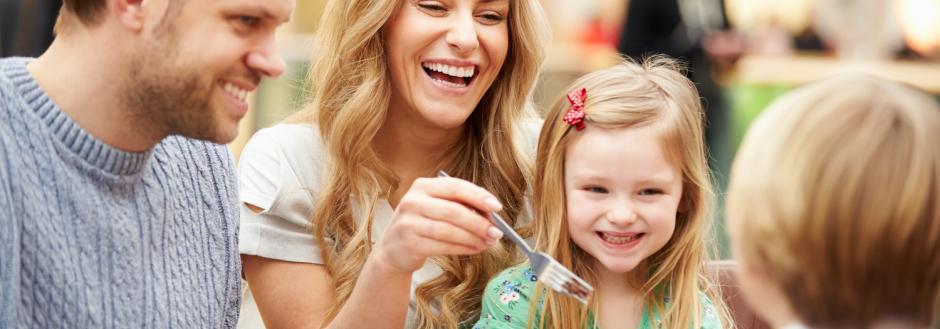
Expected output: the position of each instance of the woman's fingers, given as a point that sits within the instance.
(460, 216)
(459, 190)
(449, 233)
(432, 247)
(439, 216)
(443, 221)
(407, 245)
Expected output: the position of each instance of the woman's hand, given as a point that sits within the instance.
(438, 216)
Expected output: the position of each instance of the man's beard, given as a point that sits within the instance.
(164, 95)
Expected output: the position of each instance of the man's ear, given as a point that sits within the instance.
(129, 13)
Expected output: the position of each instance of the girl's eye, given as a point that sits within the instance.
(595, 189)
(651, 191)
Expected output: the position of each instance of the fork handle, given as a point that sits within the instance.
(509, 232)
(503, 226)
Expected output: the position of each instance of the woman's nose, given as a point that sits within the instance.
(463, 35)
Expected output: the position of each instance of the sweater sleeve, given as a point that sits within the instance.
(227, 189)
(9, 246)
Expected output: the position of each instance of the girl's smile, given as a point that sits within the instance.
(622, 194)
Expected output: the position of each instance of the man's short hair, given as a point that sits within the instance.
(86, 12)
(90, 12)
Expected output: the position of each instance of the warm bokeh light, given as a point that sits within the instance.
(920, 21)
(793, 15)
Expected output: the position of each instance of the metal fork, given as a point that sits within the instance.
(547, 270)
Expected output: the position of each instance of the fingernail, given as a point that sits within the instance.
(495, 233)
(493, 203)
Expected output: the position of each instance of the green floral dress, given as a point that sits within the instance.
(507, 297)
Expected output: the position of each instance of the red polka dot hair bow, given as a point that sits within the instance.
(575, 114)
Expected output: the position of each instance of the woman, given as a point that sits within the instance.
(339, 228)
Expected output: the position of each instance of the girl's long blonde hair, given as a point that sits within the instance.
(350, 92)
(632, 95)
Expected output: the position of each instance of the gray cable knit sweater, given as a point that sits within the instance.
(94, 237)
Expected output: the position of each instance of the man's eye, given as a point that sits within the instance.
(248, 21)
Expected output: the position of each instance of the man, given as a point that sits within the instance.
(115, 209)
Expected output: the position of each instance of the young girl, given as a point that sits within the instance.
(622, 199)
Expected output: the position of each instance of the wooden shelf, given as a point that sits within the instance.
(799, 69)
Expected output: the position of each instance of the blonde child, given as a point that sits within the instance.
(834, 207)
(621, 198)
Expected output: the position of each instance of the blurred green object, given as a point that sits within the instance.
(279, 98)
(747, 102)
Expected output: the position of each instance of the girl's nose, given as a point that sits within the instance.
(622, 214)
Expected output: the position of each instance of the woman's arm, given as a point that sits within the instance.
(288, 294)
(298, 295)
(435, 217)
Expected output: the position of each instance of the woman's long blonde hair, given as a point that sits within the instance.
(835, 196)
(350, 92)
(632, 95)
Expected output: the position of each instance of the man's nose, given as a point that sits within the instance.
(267, 61)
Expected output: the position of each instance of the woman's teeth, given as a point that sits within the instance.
(451, 84)
(454, 71)
(449, 75)
(235, 91)
(619, 239)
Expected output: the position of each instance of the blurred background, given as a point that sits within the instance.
(741, 53)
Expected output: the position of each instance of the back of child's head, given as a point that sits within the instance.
(835, 198)
(654, 93)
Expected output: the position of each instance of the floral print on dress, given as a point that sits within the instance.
(528, 274)
(506, 299)
(506, 303)
(483, 321)
(510, 290)
(509, 293)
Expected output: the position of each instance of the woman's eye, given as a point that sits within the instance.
(595, 189)
(491, 18)
(432, 7)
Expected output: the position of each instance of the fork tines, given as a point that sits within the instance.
(560, 279)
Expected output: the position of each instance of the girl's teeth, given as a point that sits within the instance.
(619, 239)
